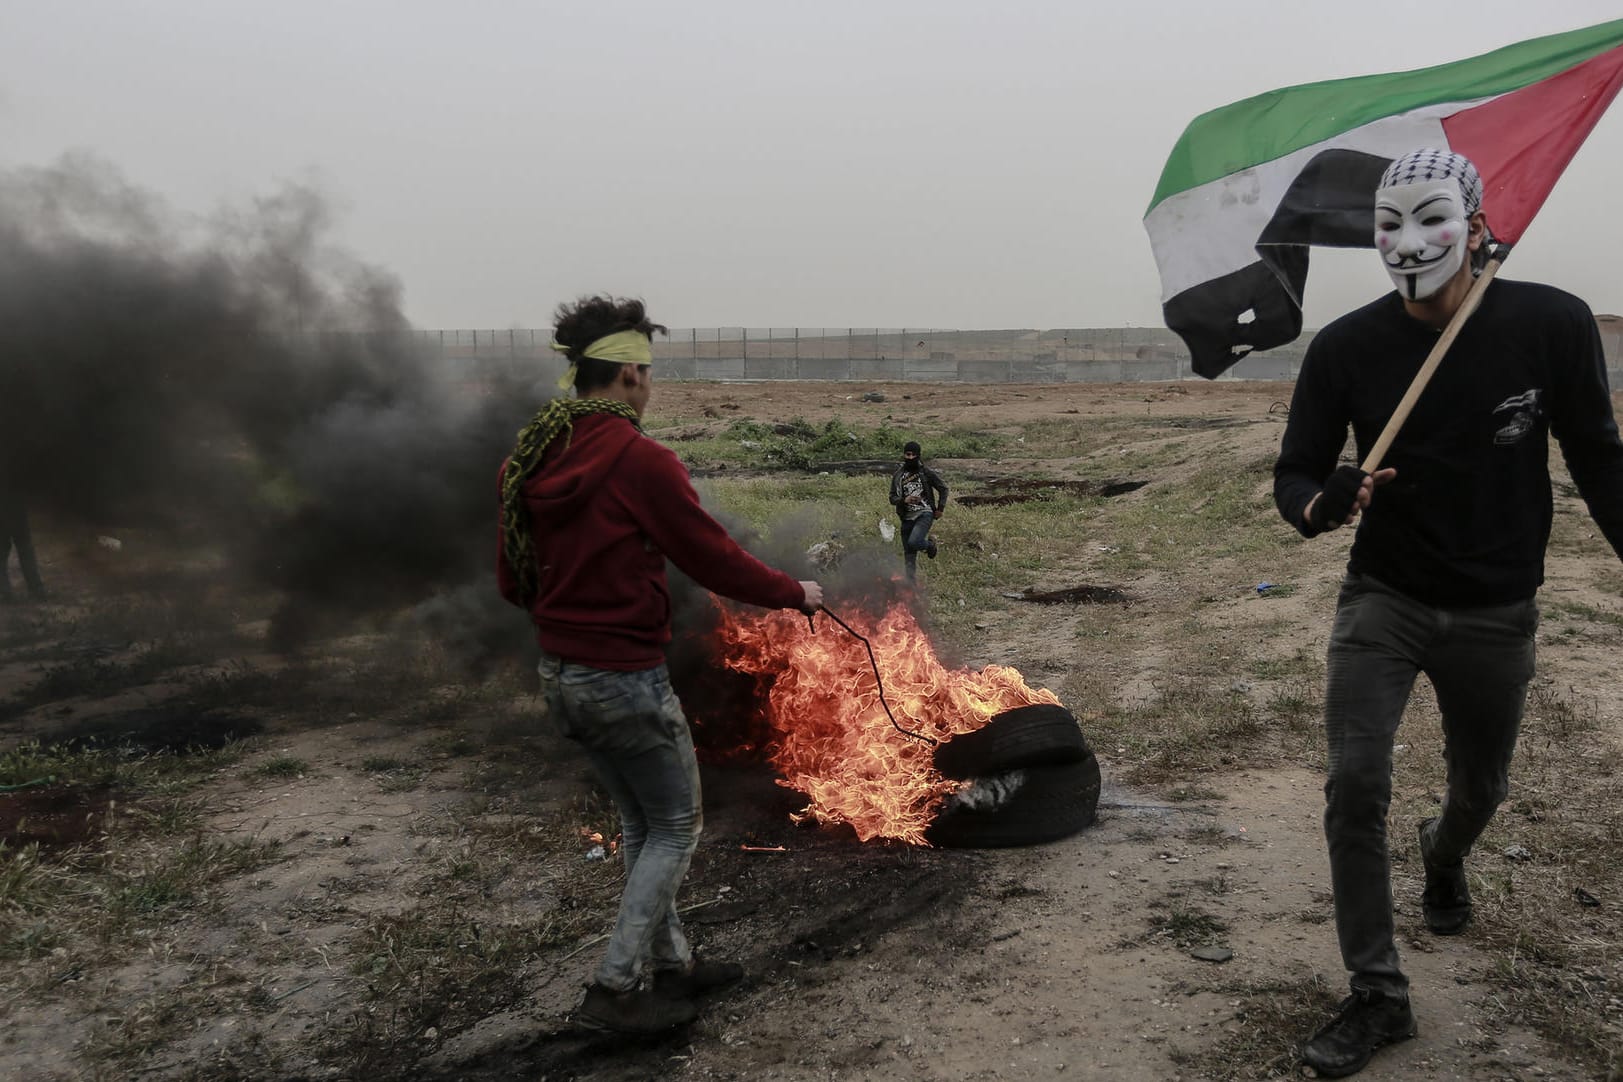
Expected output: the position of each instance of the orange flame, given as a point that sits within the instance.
(831, 738)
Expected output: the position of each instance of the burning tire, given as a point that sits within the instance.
(1040, 735)
(1023, 807)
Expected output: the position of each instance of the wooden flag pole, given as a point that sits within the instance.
(1372, 461)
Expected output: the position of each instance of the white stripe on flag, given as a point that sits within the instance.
(1211, 230)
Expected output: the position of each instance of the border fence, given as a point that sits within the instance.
(1075, 355)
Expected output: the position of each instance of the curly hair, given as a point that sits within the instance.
(580, 324)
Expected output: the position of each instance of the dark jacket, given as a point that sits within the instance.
(935, 492)
(605, 513)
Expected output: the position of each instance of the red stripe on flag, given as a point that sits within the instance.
(1521, 141)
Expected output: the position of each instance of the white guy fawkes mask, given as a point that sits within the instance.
(1421, 231)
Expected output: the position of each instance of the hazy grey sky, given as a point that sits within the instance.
(839, 163)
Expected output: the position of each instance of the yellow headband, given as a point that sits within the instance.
(621, 347)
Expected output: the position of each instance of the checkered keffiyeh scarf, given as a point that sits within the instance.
(1429, 163)
(556, 418)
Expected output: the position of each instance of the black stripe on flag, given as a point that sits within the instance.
(1331, 203)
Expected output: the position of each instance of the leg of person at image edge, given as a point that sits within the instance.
(1479, 662)
(27, 562)
(636, 736)
(916, 539)
(14, 532)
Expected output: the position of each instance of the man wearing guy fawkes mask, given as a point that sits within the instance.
(1448, 554)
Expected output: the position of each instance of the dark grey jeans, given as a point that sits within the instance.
(633, 730)
(1479, 661)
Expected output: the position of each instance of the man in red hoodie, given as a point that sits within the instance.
(590, 511)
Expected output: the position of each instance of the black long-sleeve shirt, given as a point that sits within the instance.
(1466, 520)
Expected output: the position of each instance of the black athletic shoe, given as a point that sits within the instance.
(1365, 1022)
(1446, 900)
(638, 1011)
(705, 976)
(930, 552)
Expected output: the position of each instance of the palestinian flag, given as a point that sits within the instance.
(1250, 185)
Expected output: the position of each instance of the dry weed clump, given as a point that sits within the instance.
(493, 910)
(1263, 1037)
(1201, 725)
(1544, 881)
(1548, 885)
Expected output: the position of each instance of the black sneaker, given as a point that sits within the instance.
(1446, 900)
(1365, 1022)
(930, 552)
(638, 1011)
(705, 976)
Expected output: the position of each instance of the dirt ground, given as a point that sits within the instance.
(865, 961)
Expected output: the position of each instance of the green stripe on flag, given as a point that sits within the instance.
(1268, 126)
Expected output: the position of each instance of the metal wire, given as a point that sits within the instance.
(874, 662)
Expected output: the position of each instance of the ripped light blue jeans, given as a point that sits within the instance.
(636, 736)
(915, 539)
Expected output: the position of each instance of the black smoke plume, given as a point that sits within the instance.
(243, 385)
(240, 386)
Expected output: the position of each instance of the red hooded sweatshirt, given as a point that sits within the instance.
(605, 513)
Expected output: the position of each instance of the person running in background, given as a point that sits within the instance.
(920, 497)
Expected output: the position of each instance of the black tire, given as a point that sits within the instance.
(1040, 735)
(1052, 802)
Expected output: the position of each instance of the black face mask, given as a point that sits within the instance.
(912, 464)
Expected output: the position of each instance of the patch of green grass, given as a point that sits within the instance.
(1211, 835)
(1061, 438)
(848, 507)
(1296, 702)
(1299, 664)
(30, 889)
(451, 745)
(1190, 726)
(799, 445)
(1186, 926)
(1574, 619)
(280, 766)
(395, 775)
(142, 1028)
(120, 767)
(1219, 511)
(453, 960)
(438, 966)
(180, 876)
(90, 896)
(146, 860)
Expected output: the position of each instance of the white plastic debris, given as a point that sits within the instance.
(886, 530)
(111, 544)
(596, 852)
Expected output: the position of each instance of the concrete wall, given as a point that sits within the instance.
(1098, 355)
